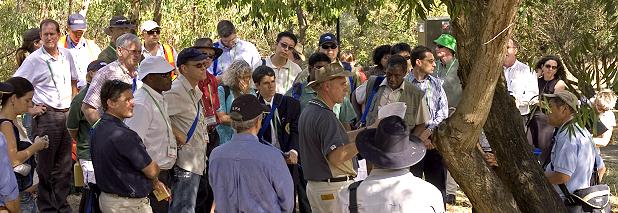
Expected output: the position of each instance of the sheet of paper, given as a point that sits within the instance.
(397, 108)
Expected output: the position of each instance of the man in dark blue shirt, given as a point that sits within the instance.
(124, 171)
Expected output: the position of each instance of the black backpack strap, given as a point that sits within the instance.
(353, 207)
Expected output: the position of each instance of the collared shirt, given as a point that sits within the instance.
(390, 95)
(210, 98)
(343, 111)
(160, 52)
(77, 121)
(108, 54)
(51, 77)
(183, 107)
(284, 76)
(521, 82)
(242, 50)
(113, 71)
(275, 118)
(225, 105)
(83, 53)
(392, 190)
(8, 184)
(151, 122)
(573, 154)
(118, 157)
(452, 83)
(435, 98)
(248, 176)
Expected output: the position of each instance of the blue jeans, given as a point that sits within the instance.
(184, 191)
(27, 202)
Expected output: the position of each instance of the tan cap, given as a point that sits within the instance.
(327, 73)
(566, 96)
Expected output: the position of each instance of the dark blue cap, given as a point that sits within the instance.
(77, 22)
(190, 54)
(96, 65)
(328, 38)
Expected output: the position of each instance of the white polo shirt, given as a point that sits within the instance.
(284, 76)
(151, 122)
(242, 50)
(51, 77)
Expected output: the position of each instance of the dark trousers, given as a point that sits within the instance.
(205, 196)
(54, 163)
(433, 167)
(161, 206)
(300, 188)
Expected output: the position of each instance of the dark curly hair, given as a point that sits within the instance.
(560, 73)
(379, 52)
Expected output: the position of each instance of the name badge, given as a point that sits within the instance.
(172, 151)
(211, 120)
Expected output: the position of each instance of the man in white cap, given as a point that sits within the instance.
(390, 187)
(151, 121)
(83, 50)
(151, 32)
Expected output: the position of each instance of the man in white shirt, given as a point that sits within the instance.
(51, 70)
(233, 48)
(151, 121)
(521, 81)
(285, 69)
(83, 50)
(151, 32)
(390, 187)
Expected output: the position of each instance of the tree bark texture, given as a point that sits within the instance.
(481, 27)
(134, 17)
(157, 11)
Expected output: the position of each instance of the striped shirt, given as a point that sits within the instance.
(435, 98)
(112, 71)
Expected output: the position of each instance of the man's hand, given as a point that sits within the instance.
(160, 187)
(292, 157)
(490, 159)
(423, 134)
(37, 110)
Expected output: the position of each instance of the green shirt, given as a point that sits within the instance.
(108, 54)
(77, 121)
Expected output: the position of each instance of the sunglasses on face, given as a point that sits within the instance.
(329, 46)
(285, 46)
(122, 22)
(199, 65)
(152, 32)
(547, 66)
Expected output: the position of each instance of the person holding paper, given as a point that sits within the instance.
(431, 165)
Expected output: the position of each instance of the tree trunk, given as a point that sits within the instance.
(69, 8)
(481, 27)
(157, 11)
(134, 17)
(84, 9)
(302, 24)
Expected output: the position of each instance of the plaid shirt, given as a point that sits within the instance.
(110, 72)
(436, 99)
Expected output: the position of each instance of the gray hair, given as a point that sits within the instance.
(126, 39)
(232, 75)
(242, 126)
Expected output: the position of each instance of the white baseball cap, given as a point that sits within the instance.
(149, 25)
(153, 64)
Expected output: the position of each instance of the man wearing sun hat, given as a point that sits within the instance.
(327, 150)
(151, 121)
(390, 187)
(118, 25)
(260, 176)
(83, 50)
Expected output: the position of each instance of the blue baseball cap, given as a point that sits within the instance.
(77, 22)
(189, 54)
(328, 38)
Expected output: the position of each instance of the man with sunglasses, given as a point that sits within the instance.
(151, 33)
(330, 46)
(189, 128)
(233, 48)
(151, 121)
(83, 50)
(285, 69)
(125, 69)
(118, 25)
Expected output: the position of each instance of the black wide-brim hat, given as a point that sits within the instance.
(390, 145)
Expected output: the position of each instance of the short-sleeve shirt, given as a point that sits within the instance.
(284, 76)
(322, 133)
(77, 121)
(118, 157)
(51, 77)
(8, 184)
(113, 71)
(573, 154)
(225, 105)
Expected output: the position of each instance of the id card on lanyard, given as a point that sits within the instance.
(172, 148)
(211, 120)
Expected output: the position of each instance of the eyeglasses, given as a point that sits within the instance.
(199, 65)
(286, 46)
(208, 56)
(152, 32)
(326, 46)
(134, 52)
(548, 66)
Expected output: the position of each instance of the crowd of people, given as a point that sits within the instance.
(140, 127)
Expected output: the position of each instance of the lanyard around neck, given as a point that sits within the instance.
(167, 125)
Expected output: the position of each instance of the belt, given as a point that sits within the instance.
(339, 179)
(56, 110)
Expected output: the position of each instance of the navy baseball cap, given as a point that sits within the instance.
(190, 54)
(77, 22)
(247, 107)
(96, 65)
(328, 38)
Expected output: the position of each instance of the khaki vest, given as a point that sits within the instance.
(411, 95)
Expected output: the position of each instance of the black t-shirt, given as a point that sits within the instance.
(118, 156)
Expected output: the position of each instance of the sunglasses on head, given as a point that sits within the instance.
(152, 32)
(329, 46)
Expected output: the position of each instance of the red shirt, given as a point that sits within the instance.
(210, 95)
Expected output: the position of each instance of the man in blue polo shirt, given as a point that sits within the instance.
(125, 172)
